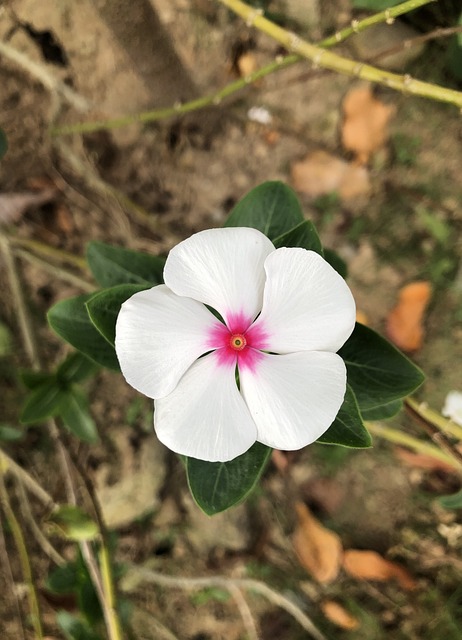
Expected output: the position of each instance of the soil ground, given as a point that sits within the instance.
(185, 177)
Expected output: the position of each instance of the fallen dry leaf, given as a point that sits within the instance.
(404, 323)
(339, 615)
(14, 205)
(370, 565)
(321, 173)
(318, 549)
(422, 461)
(365, 124)
(246, 64)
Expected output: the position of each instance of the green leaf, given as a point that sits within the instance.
(76, 368)
(377, 372)
(217, 486)
(348, 429)
(70, 320)
(63, 580)
(74, 628)
(383, 412)
(272, 208)
(72, 523)
(10, 434)
(304, 235)
(453, 501)
(103, 307)
(33, 379)
(336, 262)
(76, 416)
(375, 5)
(3, 144)
(114, 265)
(44, 401)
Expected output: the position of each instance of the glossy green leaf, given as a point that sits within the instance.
(455, 53)
(304, 235)
(72, 523)
(377, 372)
(74, 628)
(9, 433)
(76, 416)
(76, 368)
(70, 320)
(43, 402)
(103, 307)
(272, 208)
(115, 265)
(3, 144)
(453, 501)
(336, 262)
(348, 429)
(217, 486)
(383, 412)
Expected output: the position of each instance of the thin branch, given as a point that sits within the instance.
(443, 424)
(435, 433)
(222, 582)
(329, 60)
(6, 565)
(7, 464)
(244, 610)
(59, 272)
(40, 72)
(399, 437)
(19, 540)
(45, 250)
(28, 336)
(217, 97)
(42, 541)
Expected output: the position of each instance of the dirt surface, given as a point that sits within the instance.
(147, 187)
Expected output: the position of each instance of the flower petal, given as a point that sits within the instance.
(307, 305)
(294, 398)
(222, 268)
(158, 336)
(205, 417)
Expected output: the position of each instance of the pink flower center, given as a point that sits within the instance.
(239, 342)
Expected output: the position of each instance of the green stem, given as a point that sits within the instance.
(45, 250)
(282, 62)
(111, 616)
(398, 437)
(24, 559)
(429, 415)
(328, 60)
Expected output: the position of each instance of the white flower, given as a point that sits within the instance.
(286, 313)
(453, 407)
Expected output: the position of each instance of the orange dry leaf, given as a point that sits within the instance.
(365, 125)
(361, 317)
(370, 565)
(319, 549)
(321, 173)
(404, 324)
(338, 615)
(246, 64)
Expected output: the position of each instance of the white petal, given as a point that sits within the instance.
(158, 336)
(205, 417)
(453, 407)
(307, 305)
(294, 398)
(222, 268)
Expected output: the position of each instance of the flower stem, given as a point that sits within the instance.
(282, 62)
(443, 424)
